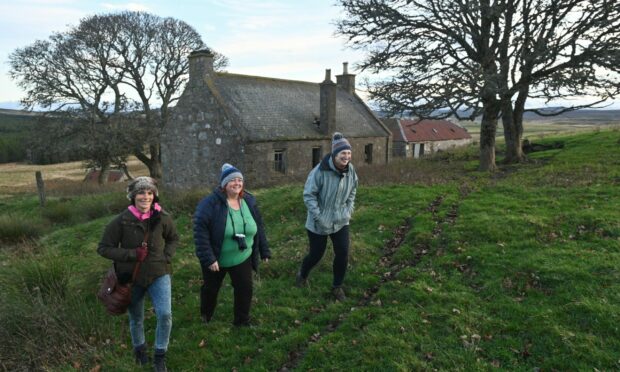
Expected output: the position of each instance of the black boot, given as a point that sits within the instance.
(141, 356)
(159, 361)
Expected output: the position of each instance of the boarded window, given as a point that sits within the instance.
(316, 156)
(279, 164)
(368, 153)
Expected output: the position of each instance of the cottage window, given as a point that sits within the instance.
(368, 153)
(279, 164)
(316, 156)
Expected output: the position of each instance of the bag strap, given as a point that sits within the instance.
(145, 244)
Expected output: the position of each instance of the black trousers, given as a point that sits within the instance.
(318, 244)
(241, 278)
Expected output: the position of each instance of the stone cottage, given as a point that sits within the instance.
(273, 130)
(414, 138)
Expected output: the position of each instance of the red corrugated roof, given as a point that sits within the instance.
(429, 130)
(115, 175)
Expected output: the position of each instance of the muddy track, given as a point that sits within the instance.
(387, 272)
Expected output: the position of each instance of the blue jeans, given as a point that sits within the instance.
(160, 292)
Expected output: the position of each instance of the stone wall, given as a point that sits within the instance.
(198, 140)
(298, 158)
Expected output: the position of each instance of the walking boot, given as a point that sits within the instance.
(338, 293)
(300, 281)
(140, 354)
(159, 361)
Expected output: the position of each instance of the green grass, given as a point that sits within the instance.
(450, 270)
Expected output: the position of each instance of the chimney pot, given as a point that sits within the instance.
(328, 75)
(346, 81)
(200, 65)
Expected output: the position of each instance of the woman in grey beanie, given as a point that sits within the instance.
(329, 195)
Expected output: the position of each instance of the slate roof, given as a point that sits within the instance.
(425, 130)
(276, 109)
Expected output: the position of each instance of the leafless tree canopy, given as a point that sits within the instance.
(489, 57)
(113, 68)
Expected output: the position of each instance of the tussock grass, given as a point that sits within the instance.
(14, 229)
(38, 313)
(73, 210)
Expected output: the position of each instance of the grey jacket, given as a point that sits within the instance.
(329, 196)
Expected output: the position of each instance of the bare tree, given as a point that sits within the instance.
(484, 57)
(109, 66)
(558, 49)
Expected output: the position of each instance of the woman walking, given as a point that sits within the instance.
(144, 233)
(329, 195)
(229, 237)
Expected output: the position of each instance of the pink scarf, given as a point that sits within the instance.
(143, 216)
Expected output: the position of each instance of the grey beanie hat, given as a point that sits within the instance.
(339, 143)
(229, 173)
(141, 183)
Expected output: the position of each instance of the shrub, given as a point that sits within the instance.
(15, 229)
(102, 205)
(86, 208)
(60, 212)
(183, 201)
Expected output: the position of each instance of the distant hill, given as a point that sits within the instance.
(590, 116)
(20, 140)
(11, 112)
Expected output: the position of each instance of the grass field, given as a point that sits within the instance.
(540, 127)
(450, 269)
(16, 178)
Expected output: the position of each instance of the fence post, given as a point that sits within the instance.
(40, 188)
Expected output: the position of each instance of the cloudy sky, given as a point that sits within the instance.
(287, 39)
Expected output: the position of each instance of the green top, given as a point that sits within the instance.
(237, 222)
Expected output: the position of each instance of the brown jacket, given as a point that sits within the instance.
(125, 233)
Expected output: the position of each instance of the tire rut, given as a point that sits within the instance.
(392, 270)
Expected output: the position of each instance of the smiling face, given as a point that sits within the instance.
(234, 187)
(144, 200)
(342, 159)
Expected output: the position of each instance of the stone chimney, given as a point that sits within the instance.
(200, 66)
(328, 105)
(346, 81)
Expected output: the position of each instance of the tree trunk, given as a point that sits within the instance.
(513, 127)
(488, 129)
(103, 174)
(155, 168)
(513, 143)
(125, 170)
(153, 162)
